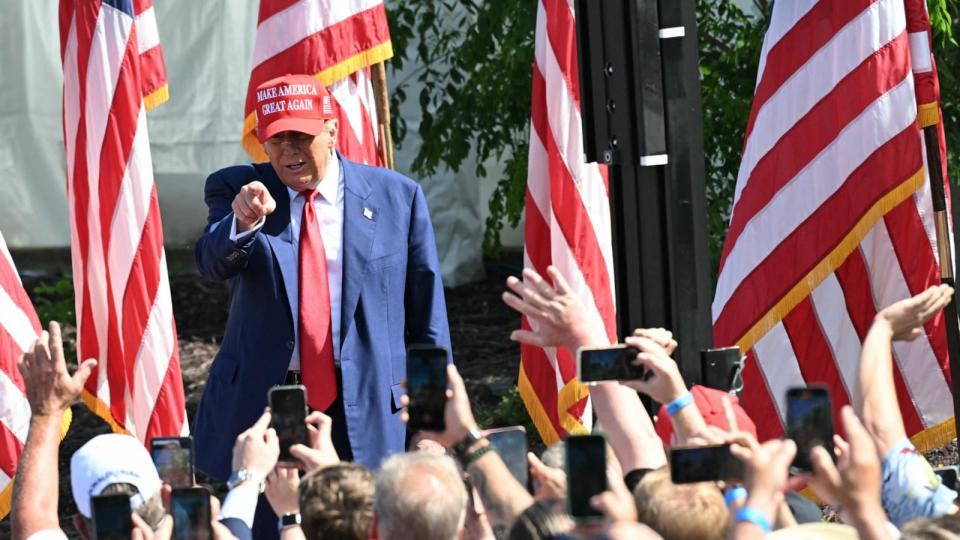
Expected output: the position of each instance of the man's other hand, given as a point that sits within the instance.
(50, 388)
(904, 319)
(252, 203)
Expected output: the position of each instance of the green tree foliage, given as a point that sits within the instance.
(474, 61)
(477, 59)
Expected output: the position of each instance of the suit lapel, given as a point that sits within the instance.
(279, 234)
(359, 225)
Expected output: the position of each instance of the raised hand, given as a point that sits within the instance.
(321, 452)
(905, 318)
(665, 384)
(556, 312)
(50, 388)
(252, 203)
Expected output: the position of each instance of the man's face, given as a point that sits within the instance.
(300, 159)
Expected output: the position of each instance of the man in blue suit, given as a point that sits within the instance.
(382, 271)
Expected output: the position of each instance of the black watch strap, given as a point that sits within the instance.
(463, 445)
(288, 520)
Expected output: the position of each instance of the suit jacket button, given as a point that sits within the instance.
(290, 344)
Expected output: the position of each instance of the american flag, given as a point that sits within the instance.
(19, 327)
(567, 223)
(335, 41)
(832, 216)
(112, 70)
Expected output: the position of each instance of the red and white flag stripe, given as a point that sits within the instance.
(832, 215)
(19, 327)
(333, 40)
(124, 310)
(567, 222)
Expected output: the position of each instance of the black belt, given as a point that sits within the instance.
(293, 377)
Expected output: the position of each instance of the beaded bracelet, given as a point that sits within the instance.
(674, 406)
(475, 455)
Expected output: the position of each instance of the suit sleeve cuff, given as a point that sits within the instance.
(240, 503)
(238, 237)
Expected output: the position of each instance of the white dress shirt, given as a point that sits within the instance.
(329, 209)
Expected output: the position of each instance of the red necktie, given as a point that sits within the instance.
(316, 336)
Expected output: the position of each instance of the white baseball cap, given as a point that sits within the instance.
(112, 459)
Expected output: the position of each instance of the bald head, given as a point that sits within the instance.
(419, 496)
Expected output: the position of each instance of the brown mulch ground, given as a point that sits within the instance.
(480, 325)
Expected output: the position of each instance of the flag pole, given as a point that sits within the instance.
(931, 137)
(378, 74)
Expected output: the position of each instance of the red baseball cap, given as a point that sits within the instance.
(292, 103)
(710, 403)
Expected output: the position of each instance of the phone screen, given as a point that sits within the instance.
(809, 424)
(426, 387)
(613, 363)
(173, 458)
(191, 513)
(511, 444)
(111, 516)
(586, 474)
(288, 411)
(704, 464)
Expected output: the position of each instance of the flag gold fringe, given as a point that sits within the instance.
(928, 114)
(570, 394)
(6, 499)
(535, 409)
(832, 261)
(328, 76)
(99, 408)
(935, 436)
(156, 98)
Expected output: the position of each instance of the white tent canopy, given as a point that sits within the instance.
(208, 47)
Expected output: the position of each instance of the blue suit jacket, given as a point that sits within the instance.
(392, 295)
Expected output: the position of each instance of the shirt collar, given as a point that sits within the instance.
(329, 187)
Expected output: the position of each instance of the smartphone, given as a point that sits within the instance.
(612, 363)
(190, 507)
(173, 458)
(586, 475)
(111, 516)
(948, 475)
(809, 424)
(288, 412)
(704, 464)
(426, 387)
(511, 444)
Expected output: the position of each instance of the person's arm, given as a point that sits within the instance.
(874, 396)
(503, 497)
(223, 250)
(666, 386)
(562, 321)
(50, 391)
(765, 467)
(854, 483)
(426, 309)
(256, 451)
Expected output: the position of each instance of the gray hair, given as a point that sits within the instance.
(419, 496)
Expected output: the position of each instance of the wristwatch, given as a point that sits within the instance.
(463, 445)
(243, 475)
(288, 520)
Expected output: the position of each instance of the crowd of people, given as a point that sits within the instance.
(452, 484)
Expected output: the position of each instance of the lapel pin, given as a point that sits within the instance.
(368, 213)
